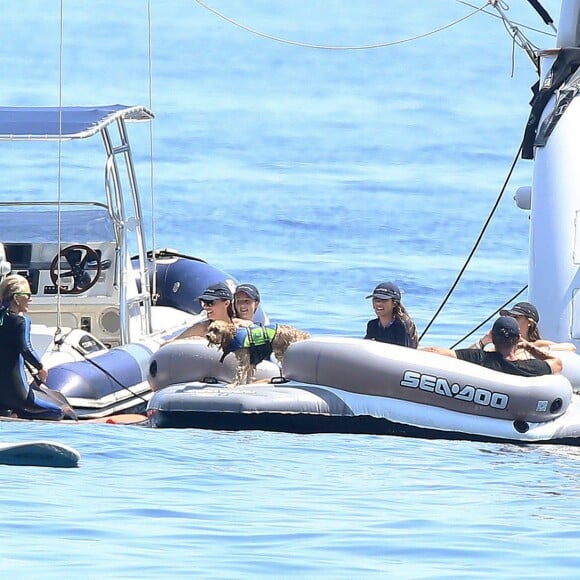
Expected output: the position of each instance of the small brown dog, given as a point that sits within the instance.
(252, 345)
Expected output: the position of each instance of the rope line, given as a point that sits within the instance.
(327, 47)
(153, 289)
(58, 330)
(531, 28)
(475, 245)
(492, 315)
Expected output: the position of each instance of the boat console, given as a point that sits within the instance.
(70, 260)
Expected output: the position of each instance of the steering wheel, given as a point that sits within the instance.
(77, 257)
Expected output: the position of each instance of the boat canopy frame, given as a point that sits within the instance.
(70, 123)
(64, 123)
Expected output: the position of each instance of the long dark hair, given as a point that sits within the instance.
(400, 312)
(533, 331)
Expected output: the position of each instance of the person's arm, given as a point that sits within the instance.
(439, 350)
(553, 361)
(482, 342)
(27, 350)
(551, 345)
(196, 330)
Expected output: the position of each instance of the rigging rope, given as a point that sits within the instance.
(153, 289)
(519, 24)
(326, 47)
(475, 245)
(492, 315)
(58, 330)
(517, 36)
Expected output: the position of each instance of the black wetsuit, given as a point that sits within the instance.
(495, 361)
(15, 348)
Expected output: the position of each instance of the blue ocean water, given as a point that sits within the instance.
(314, 174)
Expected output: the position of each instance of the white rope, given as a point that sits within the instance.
(326, 47)
(518, 38)
(531, 28)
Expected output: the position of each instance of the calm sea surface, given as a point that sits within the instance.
(314, 174)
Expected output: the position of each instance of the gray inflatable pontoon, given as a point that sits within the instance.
(358, 386)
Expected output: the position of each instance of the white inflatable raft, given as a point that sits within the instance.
(359, 386)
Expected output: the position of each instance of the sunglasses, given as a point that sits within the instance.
(207, 302)
(27, 294)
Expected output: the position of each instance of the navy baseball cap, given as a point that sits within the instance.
(250, 290)
(219, 291)
(505, 327)
(522, 309)
(386, 291)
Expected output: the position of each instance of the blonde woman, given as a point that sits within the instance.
(16, 350)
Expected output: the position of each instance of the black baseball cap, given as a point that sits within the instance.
(385, 291)
(250, 290)
(505, 327)
(219, 291)
(523, 309)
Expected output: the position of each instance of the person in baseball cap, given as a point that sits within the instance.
(522, 309)
(217, 304)
(219, 291)
(528, 317)
(506, 339)
(392, 324)
(246, 301)
(505, 331)
(386, 291)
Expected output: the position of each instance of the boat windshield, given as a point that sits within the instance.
(85, 225)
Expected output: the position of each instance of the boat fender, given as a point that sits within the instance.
(101, 375)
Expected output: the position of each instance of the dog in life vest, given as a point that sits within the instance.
(251, 345)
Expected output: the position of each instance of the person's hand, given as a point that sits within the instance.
(486, 339)
(42, 374)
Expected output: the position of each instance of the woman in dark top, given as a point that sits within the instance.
(393, 324)
(16, 350)
(528, 318)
